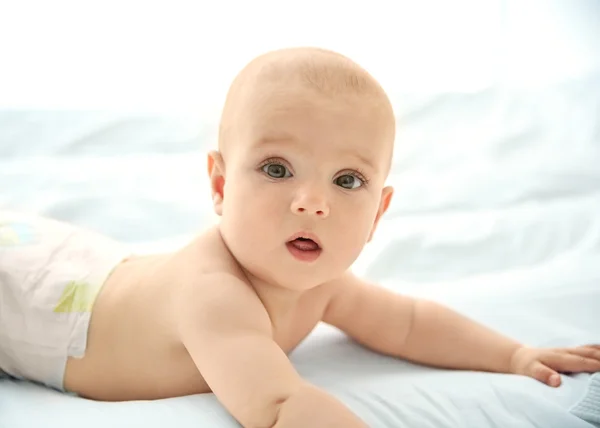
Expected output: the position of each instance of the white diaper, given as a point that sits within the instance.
(50, 275)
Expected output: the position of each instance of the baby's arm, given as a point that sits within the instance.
(429, 333)
(228, 334)
(417, 330)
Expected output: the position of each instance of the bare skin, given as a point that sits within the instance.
(123, 327)
(305, 149)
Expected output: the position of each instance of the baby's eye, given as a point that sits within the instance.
(348, 181)
(276, 170)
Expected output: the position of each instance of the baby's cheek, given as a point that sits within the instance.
(352, 237)
(255, 213)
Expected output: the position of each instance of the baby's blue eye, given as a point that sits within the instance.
(348, 181)
(276, 170)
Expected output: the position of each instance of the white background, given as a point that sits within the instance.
(181, 55)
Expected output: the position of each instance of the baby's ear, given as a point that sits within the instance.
(216, 173)
(384, 203)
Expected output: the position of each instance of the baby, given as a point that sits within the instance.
(299, 183)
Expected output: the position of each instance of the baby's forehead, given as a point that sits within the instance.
(310, 87)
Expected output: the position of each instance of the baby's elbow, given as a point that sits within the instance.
(265, 416)
(278, 408)
(274, 412)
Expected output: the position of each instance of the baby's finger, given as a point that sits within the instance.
(566, 362)
(544, 374)
(596, 347)
(585, 351)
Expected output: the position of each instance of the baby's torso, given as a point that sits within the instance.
(134, 351)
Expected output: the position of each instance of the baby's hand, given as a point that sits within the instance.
(544, 364)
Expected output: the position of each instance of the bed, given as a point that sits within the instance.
(496, 214)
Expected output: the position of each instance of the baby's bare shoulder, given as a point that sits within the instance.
(210, 284)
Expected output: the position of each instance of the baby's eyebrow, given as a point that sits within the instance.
(287, 139)
(362, 159)
(274, 139)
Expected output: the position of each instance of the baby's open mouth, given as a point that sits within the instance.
(304, 244)
(304, 249)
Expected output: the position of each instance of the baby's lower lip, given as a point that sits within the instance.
(303, 255)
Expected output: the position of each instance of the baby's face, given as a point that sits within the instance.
(303, 165)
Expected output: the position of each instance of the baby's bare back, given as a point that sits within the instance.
(134, 347)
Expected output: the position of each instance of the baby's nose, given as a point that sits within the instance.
(321, 213)
(310, 204)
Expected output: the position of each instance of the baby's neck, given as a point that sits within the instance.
(277, 300)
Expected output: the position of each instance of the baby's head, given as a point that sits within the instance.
(305, 146)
